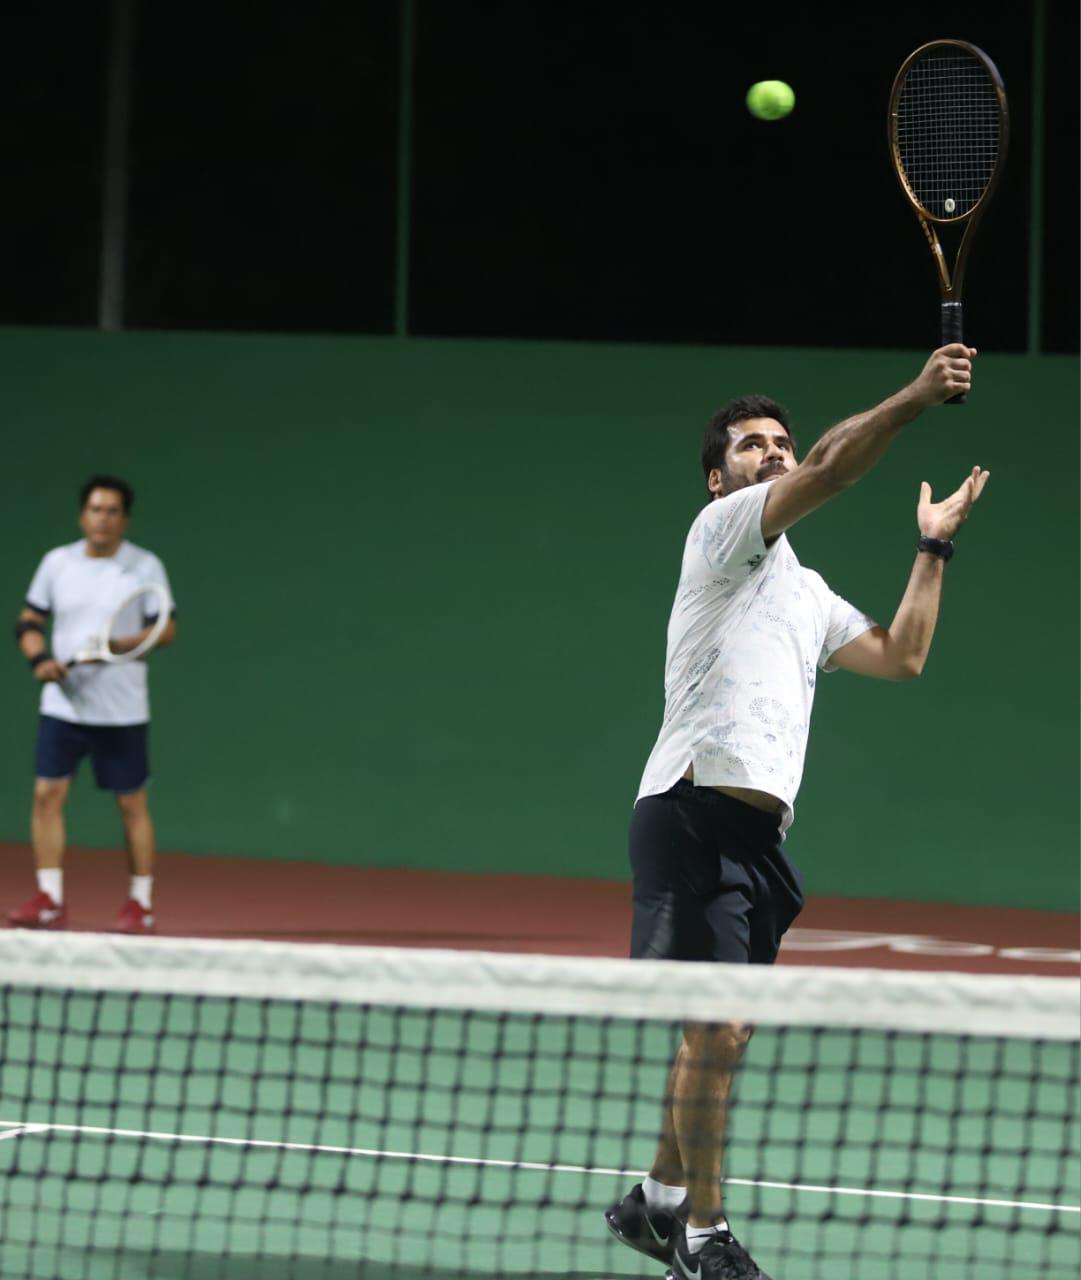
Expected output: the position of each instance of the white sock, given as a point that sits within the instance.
(659, 1196)
(698, 1237)
(51, 881)
(140, 890)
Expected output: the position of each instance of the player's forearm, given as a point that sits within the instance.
(30, 637)
(850, 449)
(31, 644)
(125, 644)
(913, 625)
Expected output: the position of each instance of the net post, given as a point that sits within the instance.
(1035, 216)
(114, 219)
(405, 170)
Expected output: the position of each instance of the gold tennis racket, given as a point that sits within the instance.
(948, 129)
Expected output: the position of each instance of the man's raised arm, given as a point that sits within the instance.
(852, 447)
(900, 652)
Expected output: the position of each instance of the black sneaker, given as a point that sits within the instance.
(720, 1258)
(652, 1232)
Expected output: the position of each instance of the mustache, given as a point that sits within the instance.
(772, 468)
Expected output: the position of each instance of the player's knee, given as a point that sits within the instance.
(132, 804)
(720, 1042)
(49, 795)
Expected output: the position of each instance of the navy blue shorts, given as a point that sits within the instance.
(118, 752)
(711, 881)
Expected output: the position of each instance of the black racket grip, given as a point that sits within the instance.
(953, 331)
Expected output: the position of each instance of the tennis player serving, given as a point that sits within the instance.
(749, 629)
(109, 602)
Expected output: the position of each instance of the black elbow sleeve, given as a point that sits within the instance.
(21, 628)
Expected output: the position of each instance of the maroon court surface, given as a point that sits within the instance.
(214, 897)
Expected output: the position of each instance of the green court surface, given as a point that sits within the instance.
(447, 1144)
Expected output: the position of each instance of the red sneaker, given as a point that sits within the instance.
(40, 912)
(134, 919)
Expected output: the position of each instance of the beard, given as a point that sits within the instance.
(730, 482)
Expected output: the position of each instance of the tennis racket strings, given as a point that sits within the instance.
(948, 132)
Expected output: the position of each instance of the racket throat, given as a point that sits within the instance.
(946, 284)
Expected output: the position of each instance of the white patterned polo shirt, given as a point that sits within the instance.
(749, 630)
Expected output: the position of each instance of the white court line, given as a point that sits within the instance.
(421, 1158)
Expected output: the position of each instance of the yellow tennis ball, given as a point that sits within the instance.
(770, 99)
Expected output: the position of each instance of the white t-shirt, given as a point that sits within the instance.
(81, 592)
(748, 628)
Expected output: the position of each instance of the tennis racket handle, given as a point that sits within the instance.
(953, 331)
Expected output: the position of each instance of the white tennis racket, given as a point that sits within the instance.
(150, 603)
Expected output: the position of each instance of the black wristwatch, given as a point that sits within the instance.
(936, 546)
(38, 659)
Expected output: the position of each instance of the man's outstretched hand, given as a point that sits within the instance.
(943, 519)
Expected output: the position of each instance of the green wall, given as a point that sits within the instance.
(423, 589)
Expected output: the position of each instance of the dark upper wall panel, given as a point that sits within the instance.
(51, 136)
(590, 171)
(580, 171)
(264, 161)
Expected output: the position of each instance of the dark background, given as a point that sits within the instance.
(579, 170)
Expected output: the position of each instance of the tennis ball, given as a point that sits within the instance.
(770, 99)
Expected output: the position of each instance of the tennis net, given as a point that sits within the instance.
(194, 1109)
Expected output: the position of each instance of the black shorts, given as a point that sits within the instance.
(118, 751)
(711, 881)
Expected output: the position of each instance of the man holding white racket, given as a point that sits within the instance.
(94, 703)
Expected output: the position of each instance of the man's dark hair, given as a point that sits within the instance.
(127, 493)
(743, 408)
